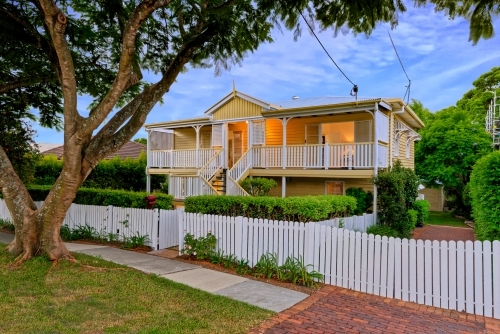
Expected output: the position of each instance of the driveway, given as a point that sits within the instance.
(448, 233)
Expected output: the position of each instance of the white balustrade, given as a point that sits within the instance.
(267, 156)
(359, 155)
(180, 158)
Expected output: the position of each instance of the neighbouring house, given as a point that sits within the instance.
(312, 146)
(44, 147)
(130, 150)
(435, 196)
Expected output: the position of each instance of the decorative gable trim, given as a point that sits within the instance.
(232, 96)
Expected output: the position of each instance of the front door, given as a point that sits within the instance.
(237, 146)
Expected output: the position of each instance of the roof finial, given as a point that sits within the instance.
(234, 89)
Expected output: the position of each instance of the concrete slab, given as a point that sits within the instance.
(142, 262)
(163, 266)
(79, 247)
(6, 238)
(205, 279)
(264, 295)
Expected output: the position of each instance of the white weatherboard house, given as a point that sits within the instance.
(310, 146)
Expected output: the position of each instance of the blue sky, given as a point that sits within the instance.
(437, 55)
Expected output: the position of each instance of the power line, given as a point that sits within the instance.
(409, 81)
(355, 89)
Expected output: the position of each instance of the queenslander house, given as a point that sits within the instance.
(310, 146)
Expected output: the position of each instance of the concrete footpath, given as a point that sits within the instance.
(256, 293)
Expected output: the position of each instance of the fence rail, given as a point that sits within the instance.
(181, 158)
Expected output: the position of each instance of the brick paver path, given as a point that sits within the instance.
(338, 310)
(433, 232)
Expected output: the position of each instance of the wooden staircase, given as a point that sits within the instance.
(219, 181)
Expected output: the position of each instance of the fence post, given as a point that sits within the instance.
(110, 228)
(238, 239)
(180, 221)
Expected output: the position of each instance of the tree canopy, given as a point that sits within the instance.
(454, 139)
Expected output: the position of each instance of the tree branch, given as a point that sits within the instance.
(126, 75)
(23, 82)
(56, 23)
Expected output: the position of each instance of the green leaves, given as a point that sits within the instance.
(300, 208)
(119, 198)
(485, 193)
(258, 186)
(397, 189)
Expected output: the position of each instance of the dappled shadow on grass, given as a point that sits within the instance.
(94, 295)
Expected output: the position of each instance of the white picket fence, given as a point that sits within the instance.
(160, 226)
(451, 275)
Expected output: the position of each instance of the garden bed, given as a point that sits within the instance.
(287, 285)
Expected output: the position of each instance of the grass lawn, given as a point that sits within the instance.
(96, 296)
(444, 219)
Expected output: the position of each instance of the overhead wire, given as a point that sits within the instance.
(409, 81)
(355, 88)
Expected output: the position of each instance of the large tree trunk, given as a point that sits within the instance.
(37, 232)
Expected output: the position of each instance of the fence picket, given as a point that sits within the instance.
(397, 269)
(357, 262)
(329, 254)
(452, 275)
(333, 260)
(469, 277)
(496, 279)
(444, 274)
(420, 272)
(383, 269)
(340, 258)
(345, 261)
(371, 253)
(412, 253)
(461, 276)
(436, 287)
(488, 297)
(478, 274)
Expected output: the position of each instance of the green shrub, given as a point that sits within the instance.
(364, 199)
(397, 190)
(412, 220)
(258, 186)
(422, 206)
(202, 248)
(127, 174)
(485, 194)
(303, 208)
(119, 198)
(383, 230)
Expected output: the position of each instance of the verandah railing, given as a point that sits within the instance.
(181, 158)
(355, 155)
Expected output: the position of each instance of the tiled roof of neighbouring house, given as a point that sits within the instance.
(129, 150)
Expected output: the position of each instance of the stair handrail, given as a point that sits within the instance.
(243, 161)
(233, 183)
(208, 171)
(209, 185)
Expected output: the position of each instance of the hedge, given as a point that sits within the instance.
(484, 189)
(302, 209)
(127, 174)
(119, 198)
(422, 206)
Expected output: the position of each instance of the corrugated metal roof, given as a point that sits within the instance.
(321, 101)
